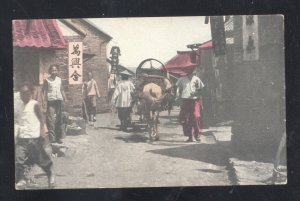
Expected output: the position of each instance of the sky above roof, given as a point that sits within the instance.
(152, 37)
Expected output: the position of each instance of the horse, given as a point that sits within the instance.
(153, 98)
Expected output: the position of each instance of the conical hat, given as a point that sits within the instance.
(125, 72)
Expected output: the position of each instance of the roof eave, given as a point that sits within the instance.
(71, 26)
(108, 37)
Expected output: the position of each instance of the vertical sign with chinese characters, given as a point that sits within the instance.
(115, 53)
(75, 63)
(250, 37)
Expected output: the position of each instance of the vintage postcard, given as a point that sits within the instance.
(149, 102)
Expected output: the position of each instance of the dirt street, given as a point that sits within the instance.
(109, 158)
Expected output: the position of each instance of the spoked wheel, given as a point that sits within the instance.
(151, 66)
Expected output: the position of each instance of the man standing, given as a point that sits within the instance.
(29, 136)
(122, 99)
(188, 90)
(91, 93)
(53, 91)
(111, 85)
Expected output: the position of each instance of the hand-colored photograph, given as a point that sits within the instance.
(149, 102)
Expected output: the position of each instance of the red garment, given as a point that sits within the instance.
(191, 116)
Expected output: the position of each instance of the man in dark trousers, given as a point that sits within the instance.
(55, 95)
(122, 99)
(29, 138)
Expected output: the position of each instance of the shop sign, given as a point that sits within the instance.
(75, 63)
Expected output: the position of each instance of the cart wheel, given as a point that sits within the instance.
(150, 63)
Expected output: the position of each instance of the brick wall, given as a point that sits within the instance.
(94, 44)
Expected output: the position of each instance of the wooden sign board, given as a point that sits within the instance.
(75, 62)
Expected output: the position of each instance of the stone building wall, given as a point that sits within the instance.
(259, 105)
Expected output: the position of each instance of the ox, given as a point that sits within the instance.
(154, 98)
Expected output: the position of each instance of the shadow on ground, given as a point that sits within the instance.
(139, 128)
(134, 128)
(134, 138)
(106, 128)
(171, 124)
(217, 154)
(171, 118)
(251, 154)
(210, 170)
(207, 153)
(165, 138)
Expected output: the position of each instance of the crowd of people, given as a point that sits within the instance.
(189, 92)
(36, 129)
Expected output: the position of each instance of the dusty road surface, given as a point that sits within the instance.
(109, 158)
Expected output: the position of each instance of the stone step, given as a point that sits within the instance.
(253, 172)
(221, 133)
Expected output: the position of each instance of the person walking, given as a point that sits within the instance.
(91, 93)
(122, 99)
(189, 92)
(29, 139)
(55, 96)
(111, 85)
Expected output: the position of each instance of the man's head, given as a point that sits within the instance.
(193, 73)
(125, 75)
(190, 75)
(53, 70)
(112, 76)
(90, 75)
(26, 92)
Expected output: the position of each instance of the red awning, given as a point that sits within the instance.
(183, 63)
(37, 33)
(206, 45)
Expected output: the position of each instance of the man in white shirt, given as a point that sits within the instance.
(29, 136)
(55, 96)
(122, 99)
(91, 93)
(189, 92)
(111, 85)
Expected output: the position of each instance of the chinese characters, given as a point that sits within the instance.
(250, 38)
(76, 50)
(75, 63)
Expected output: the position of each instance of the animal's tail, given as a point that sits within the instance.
(155, 99)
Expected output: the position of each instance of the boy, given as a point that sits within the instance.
(53, 91)
(29, 141)
(91, 93)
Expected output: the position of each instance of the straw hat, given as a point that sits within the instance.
(125, 72)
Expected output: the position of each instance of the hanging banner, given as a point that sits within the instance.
(115, 53)
(250, 37)
(218, 35)
(229, 30)
(75, 62)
